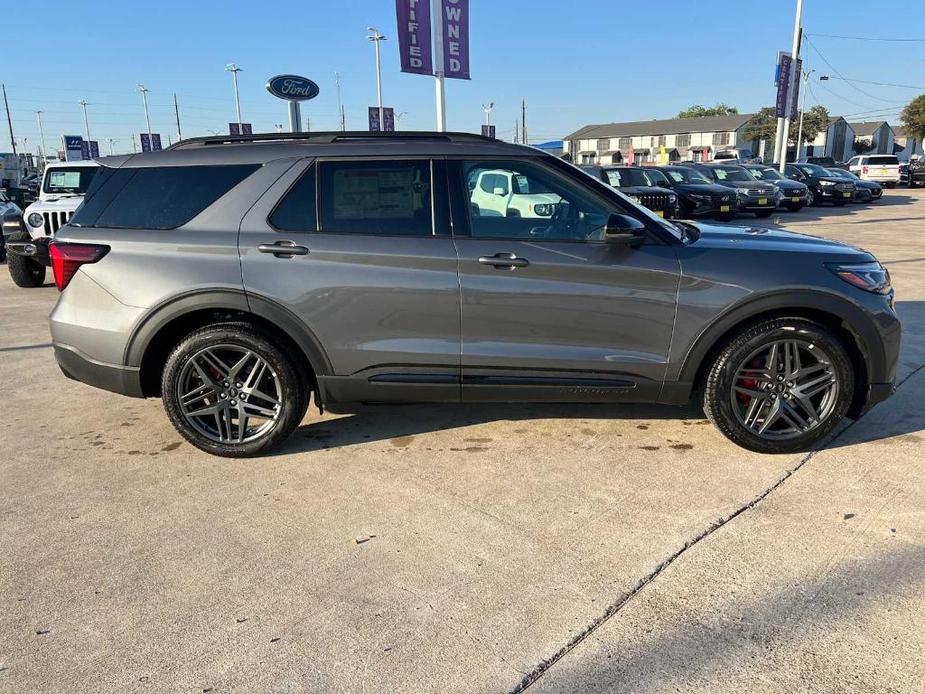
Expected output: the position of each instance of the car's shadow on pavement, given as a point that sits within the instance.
(826, 212)
(370, 423)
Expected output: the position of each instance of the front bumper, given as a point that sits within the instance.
(23, 245)
(753, 203)
(830, 194)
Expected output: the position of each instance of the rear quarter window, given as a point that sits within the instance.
(158, 197)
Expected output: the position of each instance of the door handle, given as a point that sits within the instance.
(503, 260)
(283, 249)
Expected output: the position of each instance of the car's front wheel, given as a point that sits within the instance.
(230, 391)
(779, 386)
(810, 197)
(795, 206)
(26, 272)
(762, 214)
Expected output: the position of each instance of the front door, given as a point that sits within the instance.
(549, 310)
(360, 252)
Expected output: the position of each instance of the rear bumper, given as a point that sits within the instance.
(124, 380)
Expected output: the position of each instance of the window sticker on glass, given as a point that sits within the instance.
(64, 179)
(380, 193)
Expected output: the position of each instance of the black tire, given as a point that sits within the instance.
(839, 203)
(795, 206)
(292, 390)
(721, 400)
(26, 272)
(724, 217)
(811, 198)
(763, 214)
(891, 185)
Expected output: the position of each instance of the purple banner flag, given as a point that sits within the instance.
(155, 142)
(145, 142)
(414, 36)
(783, 87)
(455, 39)
(795, 98)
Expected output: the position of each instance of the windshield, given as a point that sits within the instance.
(835, 173)
(656, 176)
(69, 179)
(812, 170)
(732, 174)
(684, 175)
(766, 174)
(620, 178)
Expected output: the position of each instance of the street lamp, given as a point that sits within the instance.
(83, 102)
(802, 109)
(487, 108)
(38, 115)
(377, 38)
(234, 70)
(398, 117)
(144, 98)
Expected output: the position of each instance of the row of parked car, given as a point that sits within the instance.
(723, 190)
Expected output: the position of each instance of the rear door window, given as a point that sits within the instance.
(388, 198)
(157, 197)
(883, 161)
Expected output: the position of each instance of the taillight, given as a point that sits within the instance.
(66, 258)
(863, 169)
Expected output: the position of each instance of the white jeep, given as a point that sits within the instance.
(500, 193)
(60, 194)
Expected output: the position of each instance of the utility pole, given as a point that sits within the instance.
(340, 104)
(134, 145)
(38, 115)
(176, 110)
(791, 81)
(802, 109)
(144, 98)
(83, 102)
(377, 38)
(439, 76)
(9, 120)
(234, 70)
(523, 119)
(516, 131)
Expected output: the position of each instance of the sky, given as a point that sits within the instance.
(575, 62)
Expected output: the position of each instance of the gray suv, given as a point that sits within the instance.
(237, 277)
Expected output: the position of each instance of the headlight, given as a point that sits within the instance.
(741, 193)
(871, 277)
(544, 209)
(826, 183)
(35, 220)
(702, 198)
(672, 199)
(635, 199)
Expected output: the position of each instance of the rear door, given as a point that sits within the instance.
(549, 310)
(360, 252)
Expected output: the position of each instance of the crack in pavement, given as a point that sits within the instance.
(543, 667)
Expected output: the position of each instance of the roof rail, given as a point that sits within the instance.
(329, 137)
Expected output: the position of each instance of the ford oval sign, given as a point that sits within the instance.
(292, 87)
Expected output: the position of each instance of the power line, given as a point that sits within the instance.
(866, 38)
(885, 84)
(836, 71)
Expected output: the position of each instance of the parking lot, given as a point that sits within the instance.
(464, 548)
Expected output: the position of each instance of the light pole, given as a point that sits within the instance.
(109, 140)
(802, 108)
(487, 108)
(83, 102)
(144, 98)
(234, 70)
(38, 115)
(398, 117)
(340, 104)
(377, 38)
(791, 81)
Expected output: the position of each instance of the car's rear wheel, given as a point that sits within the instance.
(779, 386)
(26, 272)
(230, 391)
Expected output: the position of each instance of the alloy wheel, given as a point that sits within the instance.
(784, 389)
(229, 394)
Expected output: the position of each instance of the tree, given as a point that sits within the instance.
(698, 111)
(861, 146)
(913, 118)
(764, 124)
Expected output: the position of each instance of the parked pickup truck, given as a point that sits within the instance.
(60, 194)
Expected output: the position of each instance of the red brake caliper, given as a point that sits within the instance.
(751, 383)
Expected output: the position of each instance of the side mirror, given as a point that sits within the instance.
(624, 230)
